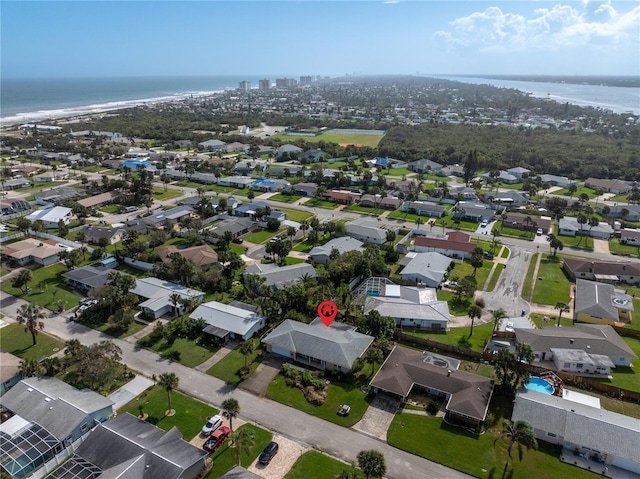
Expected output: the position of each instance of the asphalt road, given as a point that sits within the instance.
(313, 432)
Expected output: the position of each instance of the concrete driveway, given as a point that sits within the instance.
(377, 418)
(129, 391)
(266, 371)
(288, 453)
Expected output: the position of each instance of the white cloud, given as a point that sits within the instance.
(545, 29)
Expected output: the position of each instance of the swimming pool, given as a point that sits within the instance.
(540, 385)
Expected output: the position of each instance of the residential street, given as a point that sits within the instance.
(311, 431)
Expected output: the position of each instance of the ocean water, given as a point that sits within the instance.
(27, 100)
(616, 99)
(30, 100)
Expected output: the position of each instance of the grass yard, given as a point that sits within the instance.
(192, 352)
(456, 307)
(398, 172)
(432, 438)
(634, 292)
(526, 286)
(618, 248)
(339, 138)
(538, 320)
(505, 252)
(459, 336)
(225, 457)
(574, 197)
(109, 329)
(338, 393)
(14, 340)
(365, 210)
(462, 270)
(304, 246)
(495, 277)
(47, 288)
(315, 465)
(627, 378)
(315, 202)
(285, 198)
(160, 195)
(259, 236)
(110, 209)
(190, 416)
(41, 185)
(459, 224)
(296, 215)
(227, 368)
(577, 242)
(554, 285)
(514, 233)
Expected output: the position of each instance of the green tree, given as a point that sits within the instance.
(251, 195)
(378, 326)
(497, 316)
(243, 440)
(519, 433)
(98, 365)
(374, 356)
(24, 225)
(63, 229)
(30, 368)
(31, 315)
(471, 166)
(169, 382)
(372, 463)
(474, 312)
(476, 261)
(246, 348)
(73, 347)
(122, 318)
(230, 409)
(22, 280)
(562, 308)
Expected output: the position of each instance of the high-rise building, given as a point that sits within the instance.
(265, 84)
(285, 82)
(244, 86)
(306, 80)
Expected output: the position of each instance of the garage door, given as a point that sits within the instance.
(281, 352)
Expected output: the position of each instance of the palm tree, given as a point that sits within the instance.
(168, 381)
(498, 315)
(175, 299)
(73, 347)
(30, 315)
(244, 440)
(30, 368)
(521, 433)
(230, 409)
(246, 348)
(21, 281)
(374, 356)
(562, 308)
(474, 312)
(372, 463)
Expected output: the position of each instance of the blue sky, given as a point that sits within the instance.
(153, 38)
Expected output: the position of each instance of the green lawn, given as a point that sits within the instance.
(108, 328)
(627, 378)
(41, 185)
(398, 172)
(190, 416)
(554, 285)
(616, 247)
(513, 232)
(315, 202)
(304, 246)
(577, 242)
(110, 209)
(526, 286)
(297, 215)
(259, 236)
(366, 210)
(227, 368)
(505, 252)
(225, 457)
(538, 319)
(160, 194)
(432, 438)
(315, 465)
(338, 393)
(456, 307)
(285, 198)
(339, 138)
(46, 288)
(14, 340)
(192, 352)
(459, 336)
(495, 277)
(464, 269)
(581, 189)
(634, 292)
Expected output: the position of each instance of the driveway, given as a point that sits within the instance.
(600, 246)
(266, 371)
(377, 418)
(288, 453)
(129, 391)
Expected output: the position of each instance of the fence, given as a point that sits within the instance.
(435, 345)
(58, 459)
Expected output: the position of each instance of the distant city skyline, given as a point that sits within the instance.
(163, 38)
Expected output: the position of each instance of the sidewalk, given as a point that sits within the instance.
(221, 353)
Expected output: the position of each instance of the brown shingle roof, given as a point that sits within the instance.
(201, 255)
(617, 268)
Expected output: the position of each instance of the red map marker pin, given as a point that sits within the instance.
(327, 310)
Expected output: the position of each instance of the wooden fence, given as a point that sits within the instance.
(435, 346)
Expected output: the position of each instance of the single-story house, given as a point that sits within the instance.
(518, 172)
(130, 447)
(14, 184)
(503, 177)
(466, 396)
(508, 199)
(212, 145)
(202, 256)
(456, 245)
(305, 189)
(602, 271)
(519, 221)
(581, 429)
(626, 212)
(237, 227)
(288, 148)
(8, 207)
(280, 277)
(99, 199)
(93, 234)
(367, 230)
(595, 342)
(452, 170)
(313, 155)
(39, 251)
(333, 348)
(155, 295)
(465, 210)
(618, 187)
(236, 181)
(341, 196)
(87, 277)
(57, 175)
(271, 185)
(236, 146)
(424, 208)
(249, 166)
(226, 322)
(601, 303)
(283, 170)
(555, 180)
(52, 216)
(9, 371)
(386, 163)
(45, 415)
(248, 210)
(427, 269)
(239, 472)
(322, 254)
(46, 197)
(630, 236)
(378, 201)
(569, 226)
(410, 307)
(425, 166)
(174, 215)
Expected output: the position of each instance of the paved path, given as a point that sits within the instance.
(129, 391)
(217, 357)
(308, 430)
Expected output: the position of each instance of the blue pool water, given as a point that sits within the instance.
(540, 385)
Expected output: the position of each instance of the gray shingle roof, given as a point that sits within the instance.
(597, 300)
(414, 303)
(333, 344)
(89, 275)
(343, 244)
(281, 277)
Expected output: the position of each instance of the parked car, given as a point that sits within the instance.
(488, 255)
(217, 438)
(484, 224)
(539, 232)
(268, 453)
(213, 423)
(237, 240)
(509, 327)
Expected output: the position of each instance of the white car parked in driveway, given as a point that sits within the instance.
(213, 423)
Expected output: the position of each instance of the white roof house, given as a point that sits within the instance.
(367, 230)
(226, 321)
(321, 254)
(410, 307)
(280, 277)
(426, 268)
(51, 216)
(157, 293)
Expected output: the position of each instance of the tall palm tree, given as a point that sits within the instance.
(244, 440)
(562, 308)
(73, 347)
(231, 409)
(372, 463)
(498, 315)
(30, 315)
(169, 381)
(175, 299)
(474, 312)
(30, 368)
(246, 348)
(519, 433)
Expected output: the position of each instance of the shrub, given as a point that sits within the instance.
(480, 302)
(171, 355)
(433, 407)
